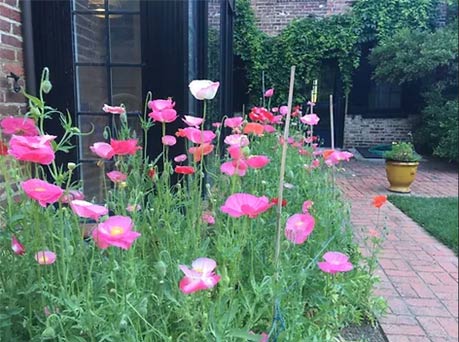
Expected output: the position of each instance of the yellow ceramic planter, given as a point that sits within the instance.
(400, 175)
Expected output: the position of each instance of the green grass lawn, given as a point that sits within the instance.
(439, 216)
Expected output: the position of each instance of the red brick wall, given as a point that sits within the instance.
(11, 57)
(274, 15)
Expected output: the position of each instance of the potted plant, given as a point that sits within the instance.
(401, 165)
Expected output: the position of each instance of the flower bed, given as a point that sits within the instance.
(194, 260)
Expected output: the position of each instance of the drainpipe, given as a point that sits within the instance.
(27, 36)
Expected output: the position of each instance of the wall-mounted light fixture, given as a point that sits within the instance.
(15, 86)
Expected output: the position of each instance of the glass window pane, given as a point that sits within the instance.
(97, 123)
(88, 5)
(90, 39)
(213, 55)
(93, 178)
(127, 88)
(92, 88)
(123, 5)
(125, 38)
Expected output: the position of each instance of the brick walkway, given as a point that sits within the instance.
(419, 276)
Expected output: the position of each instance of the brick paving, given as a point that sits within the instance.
(419, 275)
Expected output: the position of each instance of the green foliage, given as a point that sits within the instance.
(248, 43)
(431, 60)
(402, 151)
(378, 20)
(439, 216)
(310, 43)
(94, 294)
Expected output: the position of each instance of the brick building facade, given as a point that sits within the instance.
(272, 17)
(11, 57)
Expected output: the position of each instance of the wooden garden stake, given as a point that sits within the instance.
(282, 171)
(332, 134)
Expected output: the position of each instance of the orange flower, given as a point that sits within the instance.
(327, 153)
(200, 151)
(254, 128)
(378, 201)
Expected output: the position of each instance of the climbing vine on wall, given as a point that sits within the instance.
(309, 43)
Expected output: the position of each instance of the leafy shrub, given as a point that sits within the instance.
(402, 151)
(431, 60)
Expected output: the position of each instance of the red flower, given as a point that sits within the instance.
(123, 147)
(254, 128)
(151, 173)
(275, 201)
(3, 148)
(378, 201)
(184, 170)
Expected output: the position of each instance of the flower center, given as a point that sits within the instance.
(43, 259)
(40, 189)
(117, 230)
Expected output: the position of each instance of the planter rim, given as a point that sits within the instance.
(397, 162)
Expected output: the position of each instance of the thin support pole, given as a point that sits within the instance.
(282, 171)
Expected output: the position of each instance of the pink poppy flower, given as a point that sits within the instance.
(45, 257)
(232, 167)
(19, 126)
(162, 110)
(208, 218)
(269, 128)
(217, 124)
(306, 206)
(335, 262)
(235, 152)
(103, 150)
(36, 149)
(168, 140)
(257, 162)
(41, 191)
(72, 195)
(113, 109)
(180, 158)
(16, 246)
(115, 231)
(200, 277)
(195, 135)
(283, 110)
(233, 122)
(334, 157)
(241, 204)
(269, 92)
(264, 336)
(192, 121)
(124, 147)
(299, 227)
(116, 176)
(203, 89)
(303, 152)
(274, 109)
(240, 140)
(314, 164)
(310, 119)
(88, 210)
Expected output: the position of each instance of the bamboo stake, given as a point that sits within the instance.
(282, 170)
(332, 133)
